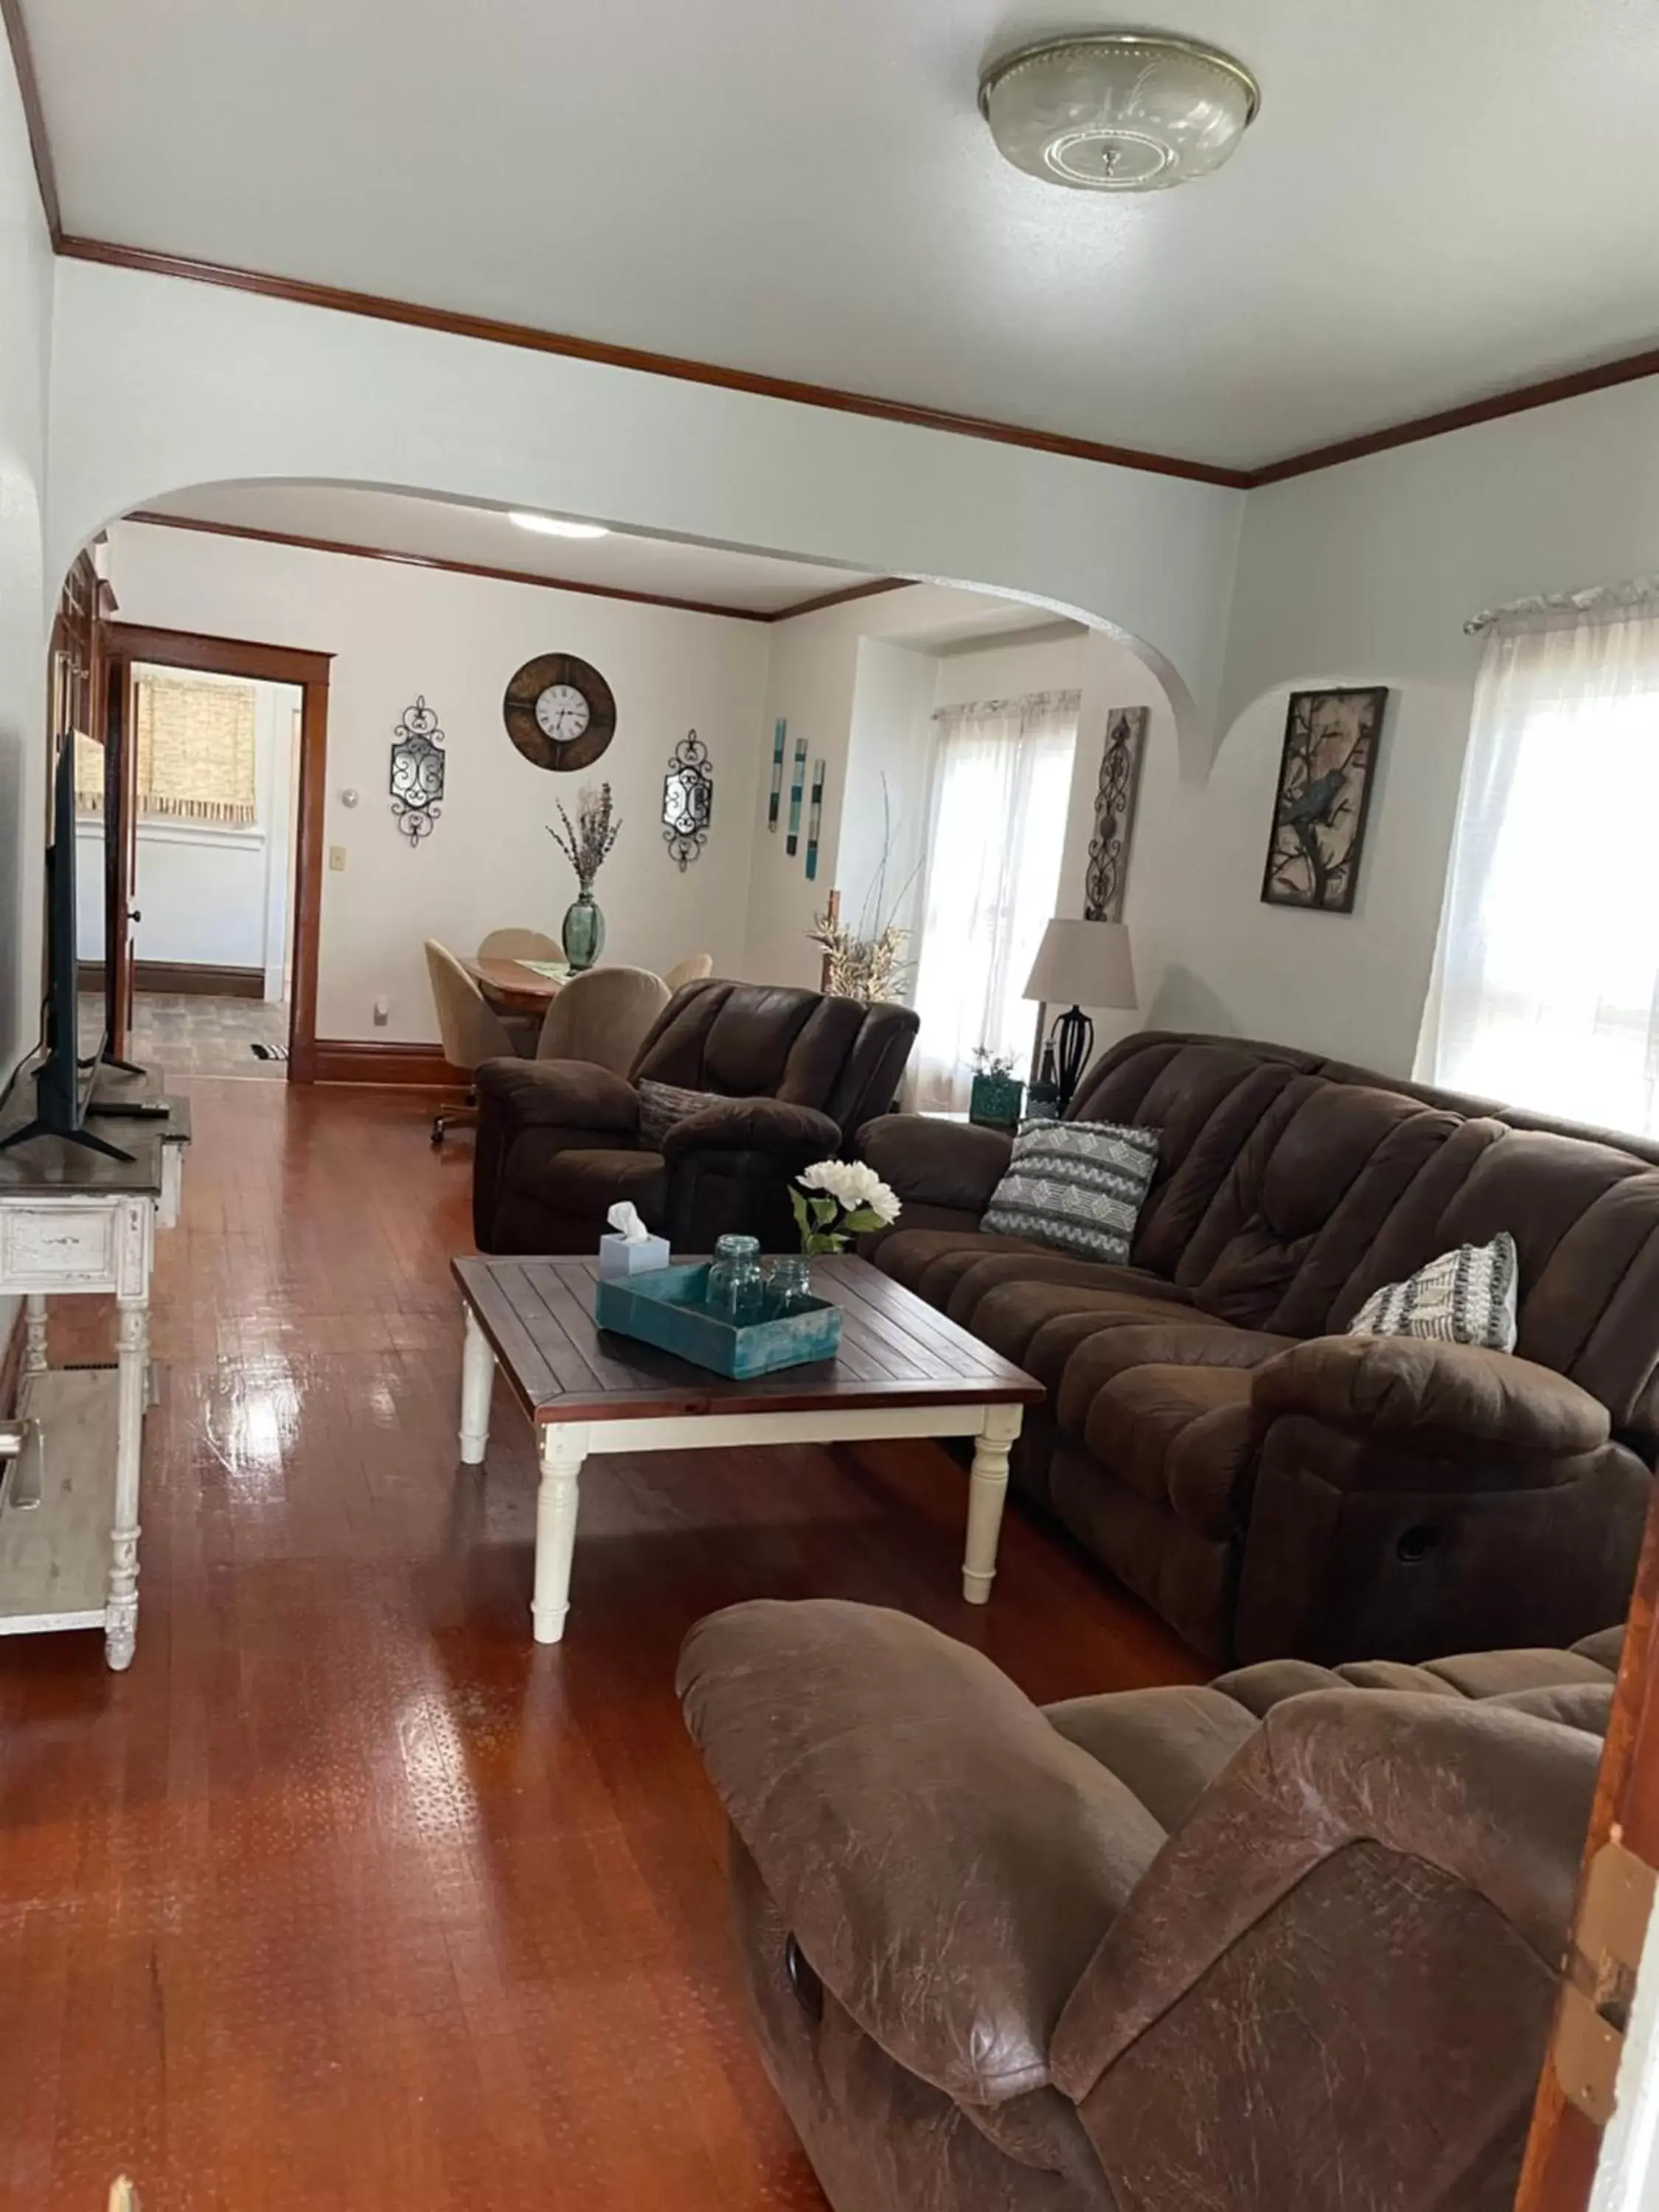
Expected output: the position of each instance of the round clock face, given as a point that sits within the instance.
(559, 711)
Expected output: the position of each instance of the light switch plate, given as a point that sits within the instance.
(337, 857)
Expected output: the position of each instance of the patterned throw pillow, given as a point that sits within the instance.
(662, 1104)
(1465, 1297)
(1079, 1185)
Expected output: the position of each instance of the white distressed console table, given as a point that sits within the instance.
(73, 1222)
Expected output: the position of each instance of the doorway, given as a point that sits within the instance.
(211, 912)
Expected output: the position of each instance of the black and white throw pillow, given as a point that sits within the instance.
(1079, 1185)
(1465, 1297)
(663, 1104)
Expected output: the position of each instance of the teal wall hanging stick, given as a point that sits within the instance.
(797, 786)
(778, 729)
(814, 821)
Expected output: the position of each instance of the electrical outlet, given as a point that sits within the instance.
(336, 858)
(382, 1012)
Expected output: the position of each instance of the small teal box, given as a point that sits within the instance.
(666, 1308)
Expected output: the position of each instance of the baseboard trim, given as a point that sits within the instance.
(351, 1060)
(185, 978)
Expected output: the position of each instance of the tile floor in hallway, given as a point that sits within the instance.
(192, 1033)
(348, 1897)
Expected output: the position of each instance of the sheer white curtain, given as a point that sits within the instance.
(1002, 780)
(1546, 987)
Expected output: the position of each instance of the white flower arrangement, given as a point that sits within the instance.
(836, 1200)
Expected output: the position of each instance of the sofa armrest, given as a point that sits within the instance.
(945, 1860)
(575, 1094)
(795, 1136)
(929, 1163)
(1446, 1401)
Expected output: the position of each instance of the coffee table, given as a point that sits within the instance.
(904, 1370)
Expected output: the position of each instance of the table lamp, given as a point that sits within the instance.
(1084, 963)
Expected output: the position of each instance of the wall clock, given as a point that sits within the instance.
(559, 711)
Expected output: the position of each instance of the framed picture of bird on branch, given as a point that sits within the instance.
(1322, 797)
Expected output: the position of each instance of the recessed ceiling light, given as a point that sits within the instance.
(555, 525)
(1118, 111)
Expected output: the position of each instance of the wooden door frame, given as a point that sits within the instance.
(270, 664)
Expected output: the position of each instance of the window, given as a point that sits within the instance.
(196, 750)
(1002, 781)
(1546, 989)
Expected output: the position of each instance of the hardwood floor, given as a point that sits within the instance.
(348, 1896)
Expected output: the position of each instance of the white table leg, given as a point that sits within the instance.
(477, 1380)
(133, 1362)
(34, 1333)
(987, 1487)
(563, 1448)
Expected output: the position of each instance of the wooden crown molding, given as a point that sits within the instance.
(156, 520)
(840, 598)
(1546, 392)
(1521, 399)
(35, 118)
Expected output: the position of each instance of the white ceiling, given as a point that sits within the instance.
(1437, 202)
(397, 522)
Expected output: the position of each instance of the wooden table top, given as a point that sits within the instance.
(513, 987)
(561, 1366)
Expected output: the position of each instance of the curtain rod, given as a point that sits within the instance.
(1594, 600)
(1029, 703)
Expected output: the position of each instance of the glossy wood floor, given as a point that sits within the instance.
(347, 1896)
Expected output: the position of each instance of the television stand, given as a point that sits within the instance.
(75, 1221)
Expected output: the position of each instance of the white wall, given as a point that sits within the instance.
(162, 383)
(1366, 575)
(813, 682)
(397, 632)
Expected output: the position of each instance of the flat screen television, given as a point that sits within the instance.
(67, 1064)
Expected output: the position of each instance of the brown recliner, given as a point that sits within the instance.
(1265, 1482)
(790, 1074)
(1292, 1941)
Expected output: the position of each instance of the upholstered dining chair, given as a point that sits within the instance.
(691, 970)
(472, 1031)
(603, 1016)
(521, 945)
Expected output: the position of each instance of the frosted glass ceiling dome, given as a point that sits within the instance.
(1118, 111)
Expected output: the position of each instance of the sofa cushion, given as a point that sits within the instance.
(592, 1181)
(1075, 1185)
(908, 1255)
(1167, 1744)
(1011, 1311)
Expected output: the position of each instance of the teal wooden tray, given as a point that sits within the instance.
(666, 1308)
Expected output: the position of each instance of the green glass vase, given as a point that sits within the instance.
(583, 932)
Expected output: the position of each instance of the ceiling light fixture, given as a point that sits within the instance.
(1118, 111)
(555, 525)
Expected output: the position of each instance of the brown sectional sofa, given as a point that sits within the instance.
(1289, 1944)
(1269, 1485)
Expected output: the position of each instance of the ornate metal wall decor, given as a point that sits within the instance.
(688, 800)
(1114, 814)
(417, 771)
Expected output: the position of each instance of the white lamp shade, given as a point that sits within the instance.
(1083, 964)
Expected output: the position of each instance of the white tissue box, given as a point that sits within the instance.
(618, 1257)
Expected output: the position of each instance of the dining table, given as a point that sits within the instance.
(518, 986)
